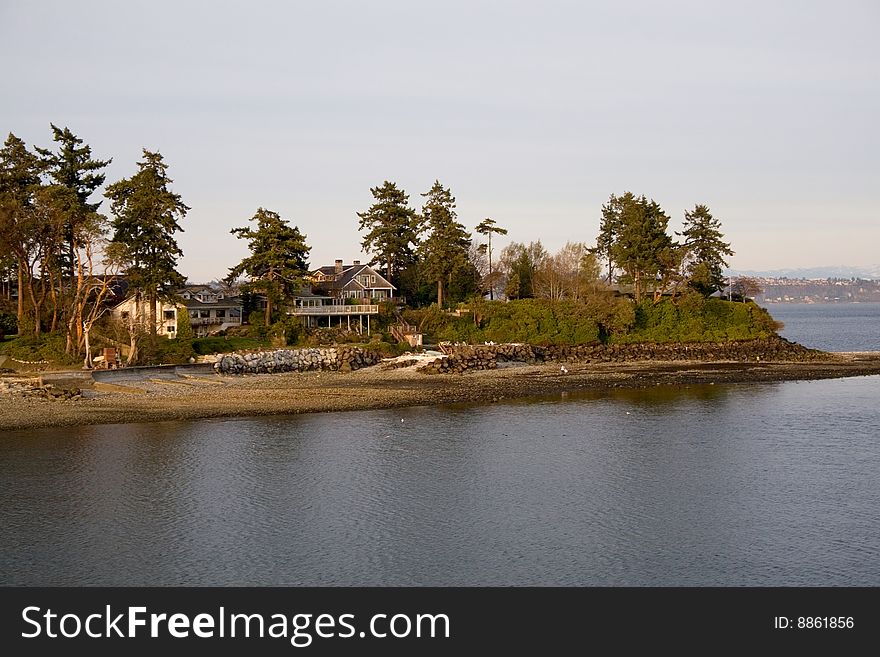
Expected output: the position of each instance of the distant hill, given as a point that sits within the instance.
(840, 271)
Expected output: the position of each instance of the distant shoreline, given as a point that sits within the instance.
(211, 396)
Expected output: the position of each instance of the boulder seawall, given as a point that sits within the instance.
(458, 359)
(341, 358)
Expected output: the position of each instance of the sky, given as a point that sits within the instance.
(532, 113)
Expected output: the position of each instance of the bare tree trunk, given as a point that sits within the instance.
(268, 318)
(133, 328)
(20, 299)
(439, 292)
(53, 295)
(491, 278)
(87, 362)
(37, 308)
(153, 319)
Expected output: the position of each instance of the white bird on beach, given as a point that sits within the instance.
(563, 370)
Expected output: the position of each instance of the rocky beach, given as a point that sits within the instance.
(181, 394)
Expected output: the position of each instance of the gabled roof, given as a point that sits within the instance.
(349, 273)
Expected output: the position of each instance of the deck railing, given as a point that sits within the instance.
(323, 311)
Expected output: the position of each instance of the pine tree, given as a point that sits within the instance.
(392, 228)
(641, 242)
(487, 227)
(706, 250)
(445, 251)
(72, 167)
(146, 218)
(609, 229)
(277, 263)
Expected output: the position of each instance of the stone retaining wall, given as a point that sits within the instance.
(464, 358)
(343, 358)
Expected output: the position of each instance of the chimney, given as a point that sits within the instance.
(339, 266)
(356, 262)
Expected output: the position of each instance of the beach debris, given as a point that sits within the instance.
(35, 389)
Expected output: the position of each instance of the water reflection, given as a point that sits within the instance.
(748, 484)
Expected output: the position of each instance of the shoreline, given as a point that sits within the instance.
(218, 396)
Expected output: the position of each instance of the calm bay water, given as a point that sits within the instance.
(751, 484)
(831, 326)
(765, 484)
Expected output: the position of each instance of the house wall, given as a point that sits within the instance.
(131, 312)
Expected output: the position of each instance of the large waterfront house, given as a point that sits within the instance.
(209, 310)
(354, 281)
(342, 295)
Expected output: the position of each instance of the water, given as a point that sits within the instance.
(831, 327)
(770, 484)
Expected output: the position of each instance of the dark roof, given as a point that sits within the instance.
(348, 273)
(307, 293)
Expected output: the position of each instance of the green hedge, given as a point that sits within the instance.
(601, 318)
(695, 319)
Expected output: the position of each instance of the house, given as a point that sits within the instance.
(344, 295)
(354, 281)
(209, 310)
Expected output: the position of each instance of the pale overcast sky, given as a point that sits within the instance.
(533, 113)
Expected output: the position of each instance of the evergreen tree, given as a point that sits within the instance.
(20, 172)
(706, 250)
(487, 227)
(184, 324)
(72, 167)
(609, 228)
(642, 246)
(277, 263)
(392, 228)
(444, 253)
(146, 218)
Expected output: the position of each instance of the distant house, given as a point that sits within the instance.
(209, 311)
(342, 295)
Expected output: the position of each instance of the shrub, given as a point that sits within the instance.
(49, 347)
(8, 324)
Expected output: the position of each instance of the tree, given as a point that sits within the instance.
(392, 228)
(277, 263)
(746, 287)
(184, 324)
(74, 169)
(571, 273)
(610, 227)
(20, 172)
(706, 250)
(444, 252)
(521, 262)
(146, 218)
(487, 227)
(640, 242)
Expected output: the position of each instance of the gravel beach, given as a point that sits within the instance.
(212, 396)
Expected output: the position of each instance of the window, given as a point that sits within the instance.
(372, 279)
(169, 314)
(221, 312)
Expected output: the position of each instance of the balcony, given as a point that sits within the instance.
(337, 310)
(208, 321)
